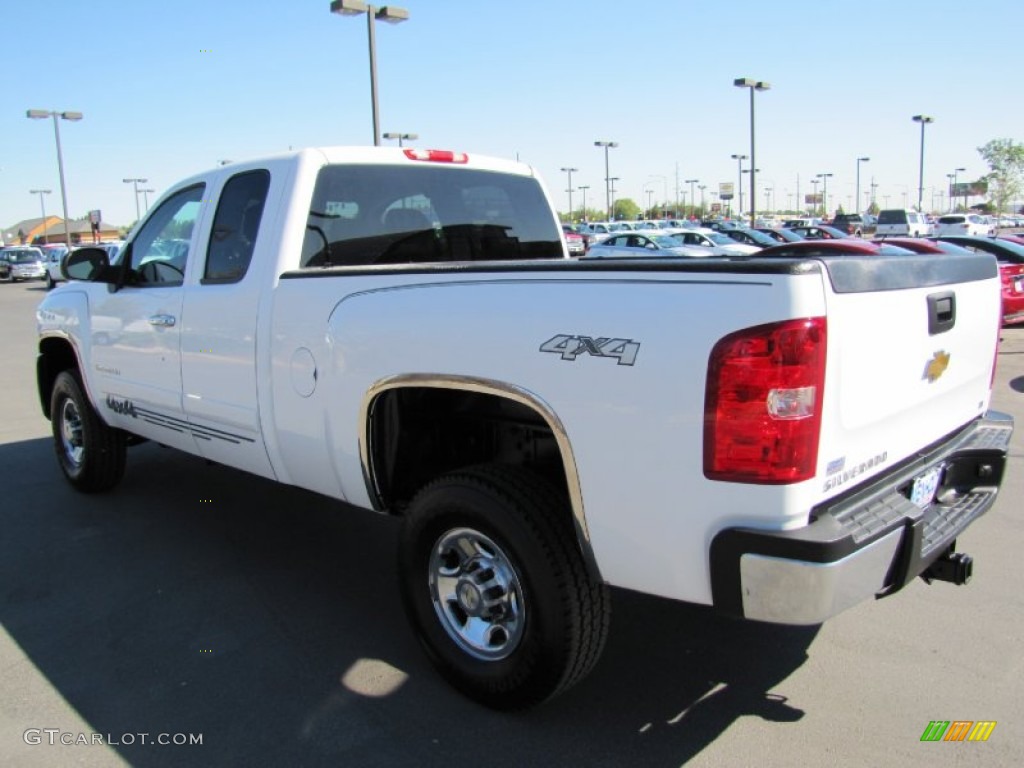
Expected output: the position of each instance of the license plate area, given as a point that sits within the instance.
(924, 487)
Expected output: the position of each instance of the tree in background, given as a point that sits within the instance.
(625, 209)
(1005, 158)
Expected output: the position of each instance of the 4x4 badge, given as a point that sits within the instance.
(569, 347)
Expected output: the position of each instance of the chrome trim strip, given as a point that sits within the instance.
(486, 387)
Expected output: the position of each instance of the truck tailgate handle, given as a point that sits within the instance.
(941, 312)
(166, 321)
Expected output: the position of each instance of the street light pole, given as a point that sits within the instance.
(584, 189)
(815, 183)
(739, 179)
(824, 193)
(400, 136)
(702, 187)
(923, 120)
(956, 175)
(135, 183)
(857, 197)
(42, 207)
(693, 198)
(612, 181)
(570, 171)
(389, 13)
(145, 197)
(40, 114)
(607, 176)
(753, 85)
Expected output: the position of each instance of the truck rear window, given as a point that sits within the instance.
(390, 214)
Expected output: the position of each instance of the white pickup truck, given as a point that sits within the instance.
(401, 329)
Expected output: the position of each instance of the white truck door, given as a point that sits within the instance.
(222, 297)
(136, 331)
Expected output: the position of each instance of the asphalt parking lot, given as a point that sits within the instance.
(199, 601)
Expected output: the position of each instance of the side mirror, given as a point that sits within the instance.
(90, 264)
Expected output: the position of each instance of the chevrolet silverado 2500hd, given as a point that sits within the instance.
(401, 329)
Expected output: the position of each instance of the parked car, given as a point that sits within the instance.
(900, 221)
(819, 232)
(801, 222)
(962, 224)
(716, 243)
(23, 263)
(752, 237)
(844, 246)
(1010, 256)
(642, 245)
(852, 224)
(574, 241)
(781, 234)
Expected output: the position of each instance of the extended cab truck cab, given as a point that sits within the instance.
(402, 330)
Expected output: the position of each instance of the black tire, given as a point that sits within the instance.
(90, 454)
(498, 541)
(49, 282)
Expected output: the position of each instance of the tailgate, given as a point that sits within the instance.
(911, 348)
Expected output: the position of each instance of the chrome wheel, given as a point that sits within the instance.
(71, 432)
(476, 594)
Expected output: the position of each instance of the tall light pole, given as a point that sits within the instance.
(739, 179)
(923, 120)
(41, 114)
(584, 189)
(956, 174)
(607, 176)
(857, 196)
(693, 198)
(767, 196)
(814, 195)
(824, 192)
(400, 136)
(752, 85)
(145, 197)
(702, 187)
(612, 181)
(664, 189)
(570, 171)
(135, 183)
(389, 13)
(42, 207)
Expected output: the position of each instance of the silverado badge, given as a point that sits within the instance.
(936, 366)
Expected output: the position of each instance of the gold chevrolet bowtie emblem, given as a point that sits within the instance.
(936, 366)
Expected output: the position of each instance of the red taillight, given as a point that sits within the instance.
(437, 155)
(762, 405)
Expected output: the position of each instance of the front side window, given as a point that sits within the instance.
(425, 213)
(159, 253)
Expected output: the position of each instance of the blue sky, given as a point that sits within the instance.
(170, 89)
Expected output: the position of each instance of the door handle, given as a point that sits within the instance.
(166, 321)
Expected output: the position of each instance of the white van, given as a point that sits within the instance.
(899, 221)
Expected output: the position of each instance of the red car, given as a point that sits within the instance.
(1010, 255)
(847, 246)
(577, 245)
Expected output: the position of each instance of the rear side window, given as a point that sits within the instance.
(235, 227)
(425, 213)
(951, 219)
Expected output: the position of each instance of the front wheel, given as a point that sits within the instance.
(90, 454)
(497, 589)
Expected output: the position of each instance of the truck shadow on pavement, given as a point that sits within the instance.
(195, 599)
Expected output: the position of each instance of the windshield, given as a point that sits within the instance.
(23, 257)
(719, 239)
(426, 213)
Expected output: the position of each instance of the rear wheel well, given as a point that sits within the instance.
(416, 434)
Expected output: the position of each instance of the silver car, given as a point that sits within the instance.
(24, 262)
(640, 245)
